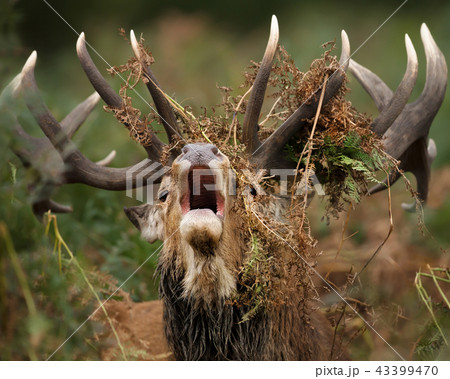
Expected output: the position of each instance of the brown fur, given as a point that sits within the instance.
(140, 329)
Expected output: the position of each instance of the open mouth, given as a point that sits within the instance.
(202, 192)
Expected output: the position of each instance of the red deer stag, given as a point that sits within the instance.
(206, 238)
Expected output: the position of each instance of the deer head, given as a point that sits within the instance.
(195, 211)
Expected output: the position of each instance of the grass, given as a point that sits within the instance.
(439, 276)
(23, 283)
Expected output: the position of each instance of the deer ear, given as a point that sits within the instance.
(147, 219)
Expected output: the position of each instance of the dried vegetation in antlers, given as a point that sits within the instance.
(337, 145)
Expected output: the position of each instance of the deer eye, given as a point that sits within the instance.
(253, 191)
(163, 195)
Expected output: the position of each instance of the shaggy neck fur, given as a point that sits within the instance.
(215, 330)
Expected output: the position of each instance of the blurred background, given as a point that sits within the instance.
(198, 45)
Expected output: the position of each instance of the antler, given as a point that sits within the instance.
(69, 165)
(55, 158)
(269, 153)
(79, 169)
(405, 127)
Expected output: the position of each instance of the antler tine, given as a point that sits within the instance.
(79, 169)
(23, 140)
(400, 98)
(163, 107)
(108, 95)
(43, 206)
(268, 154)
(380, 93)
(344, 59)
(250, 123)
(42, 115)
(436, 79)
(72, 122)
(108, 159)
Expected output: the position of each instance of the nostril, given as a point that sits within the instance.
(185, 149)
(215, 150)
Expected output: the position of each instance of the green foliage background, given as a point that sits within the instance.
(196, 44)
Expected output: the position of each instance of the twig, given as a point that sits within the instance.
(270, 112)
